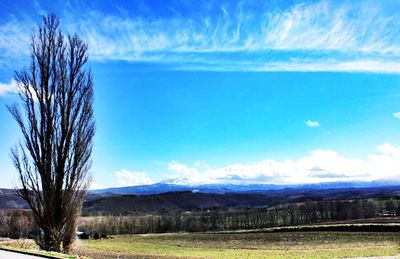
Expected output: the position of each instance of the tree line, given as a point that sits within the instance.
(19, 223)
(218, 219)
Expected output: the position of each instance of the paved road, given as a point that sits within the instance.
(12, 255)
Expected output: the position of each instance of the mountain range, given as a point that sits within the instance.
(181, 184)
(166, 196)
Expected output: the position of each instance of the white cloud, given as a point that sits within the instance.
(38, 8)
(128, 178)
(323, 27)
(95, 186)
(14, 41)
(318, 36)
(11, 87)
(317, 166)
(182, 169)
(372, 66)
(14, 37)
(312, 124)
(396, 115)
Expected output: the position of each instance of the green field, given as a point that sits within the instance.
(244, 245)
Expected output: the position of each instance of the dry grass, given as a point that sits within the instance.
(29, 246)
(260, 244)
(244, 245)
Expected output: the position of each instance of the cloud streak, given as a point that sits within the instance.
(14, 41)
(316, 36)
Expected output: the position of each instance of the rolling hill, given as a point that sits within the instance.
(115, 203)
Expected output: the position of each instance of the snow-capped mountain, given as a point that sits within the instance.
(184, 184)
(178, 181)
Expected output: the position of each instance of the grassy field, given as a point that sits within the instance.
(261, 244)
(244, 245)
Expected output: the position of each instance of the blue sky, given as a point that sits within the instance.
(227, 92)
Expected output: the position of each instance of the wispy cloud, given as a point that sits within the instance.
(14, 41)
(317, 36)
(11, 87)
(318, 166)
(129, 178)
(396, 115)
(312, 124)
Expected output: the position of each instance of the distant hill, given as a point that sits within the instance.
(194, 199)
(9, 199)
(173, 201)
(189, 200)
(176, 185)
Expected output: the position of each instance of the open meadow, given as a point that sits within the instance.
(244, 245)
(292, 242)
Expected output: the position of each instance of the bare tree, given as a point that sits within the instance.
(57, 124)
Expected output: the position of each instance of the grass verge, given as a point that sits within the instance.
(27, 246)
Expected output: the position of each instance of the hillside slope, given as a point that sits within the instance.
(188, 200)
